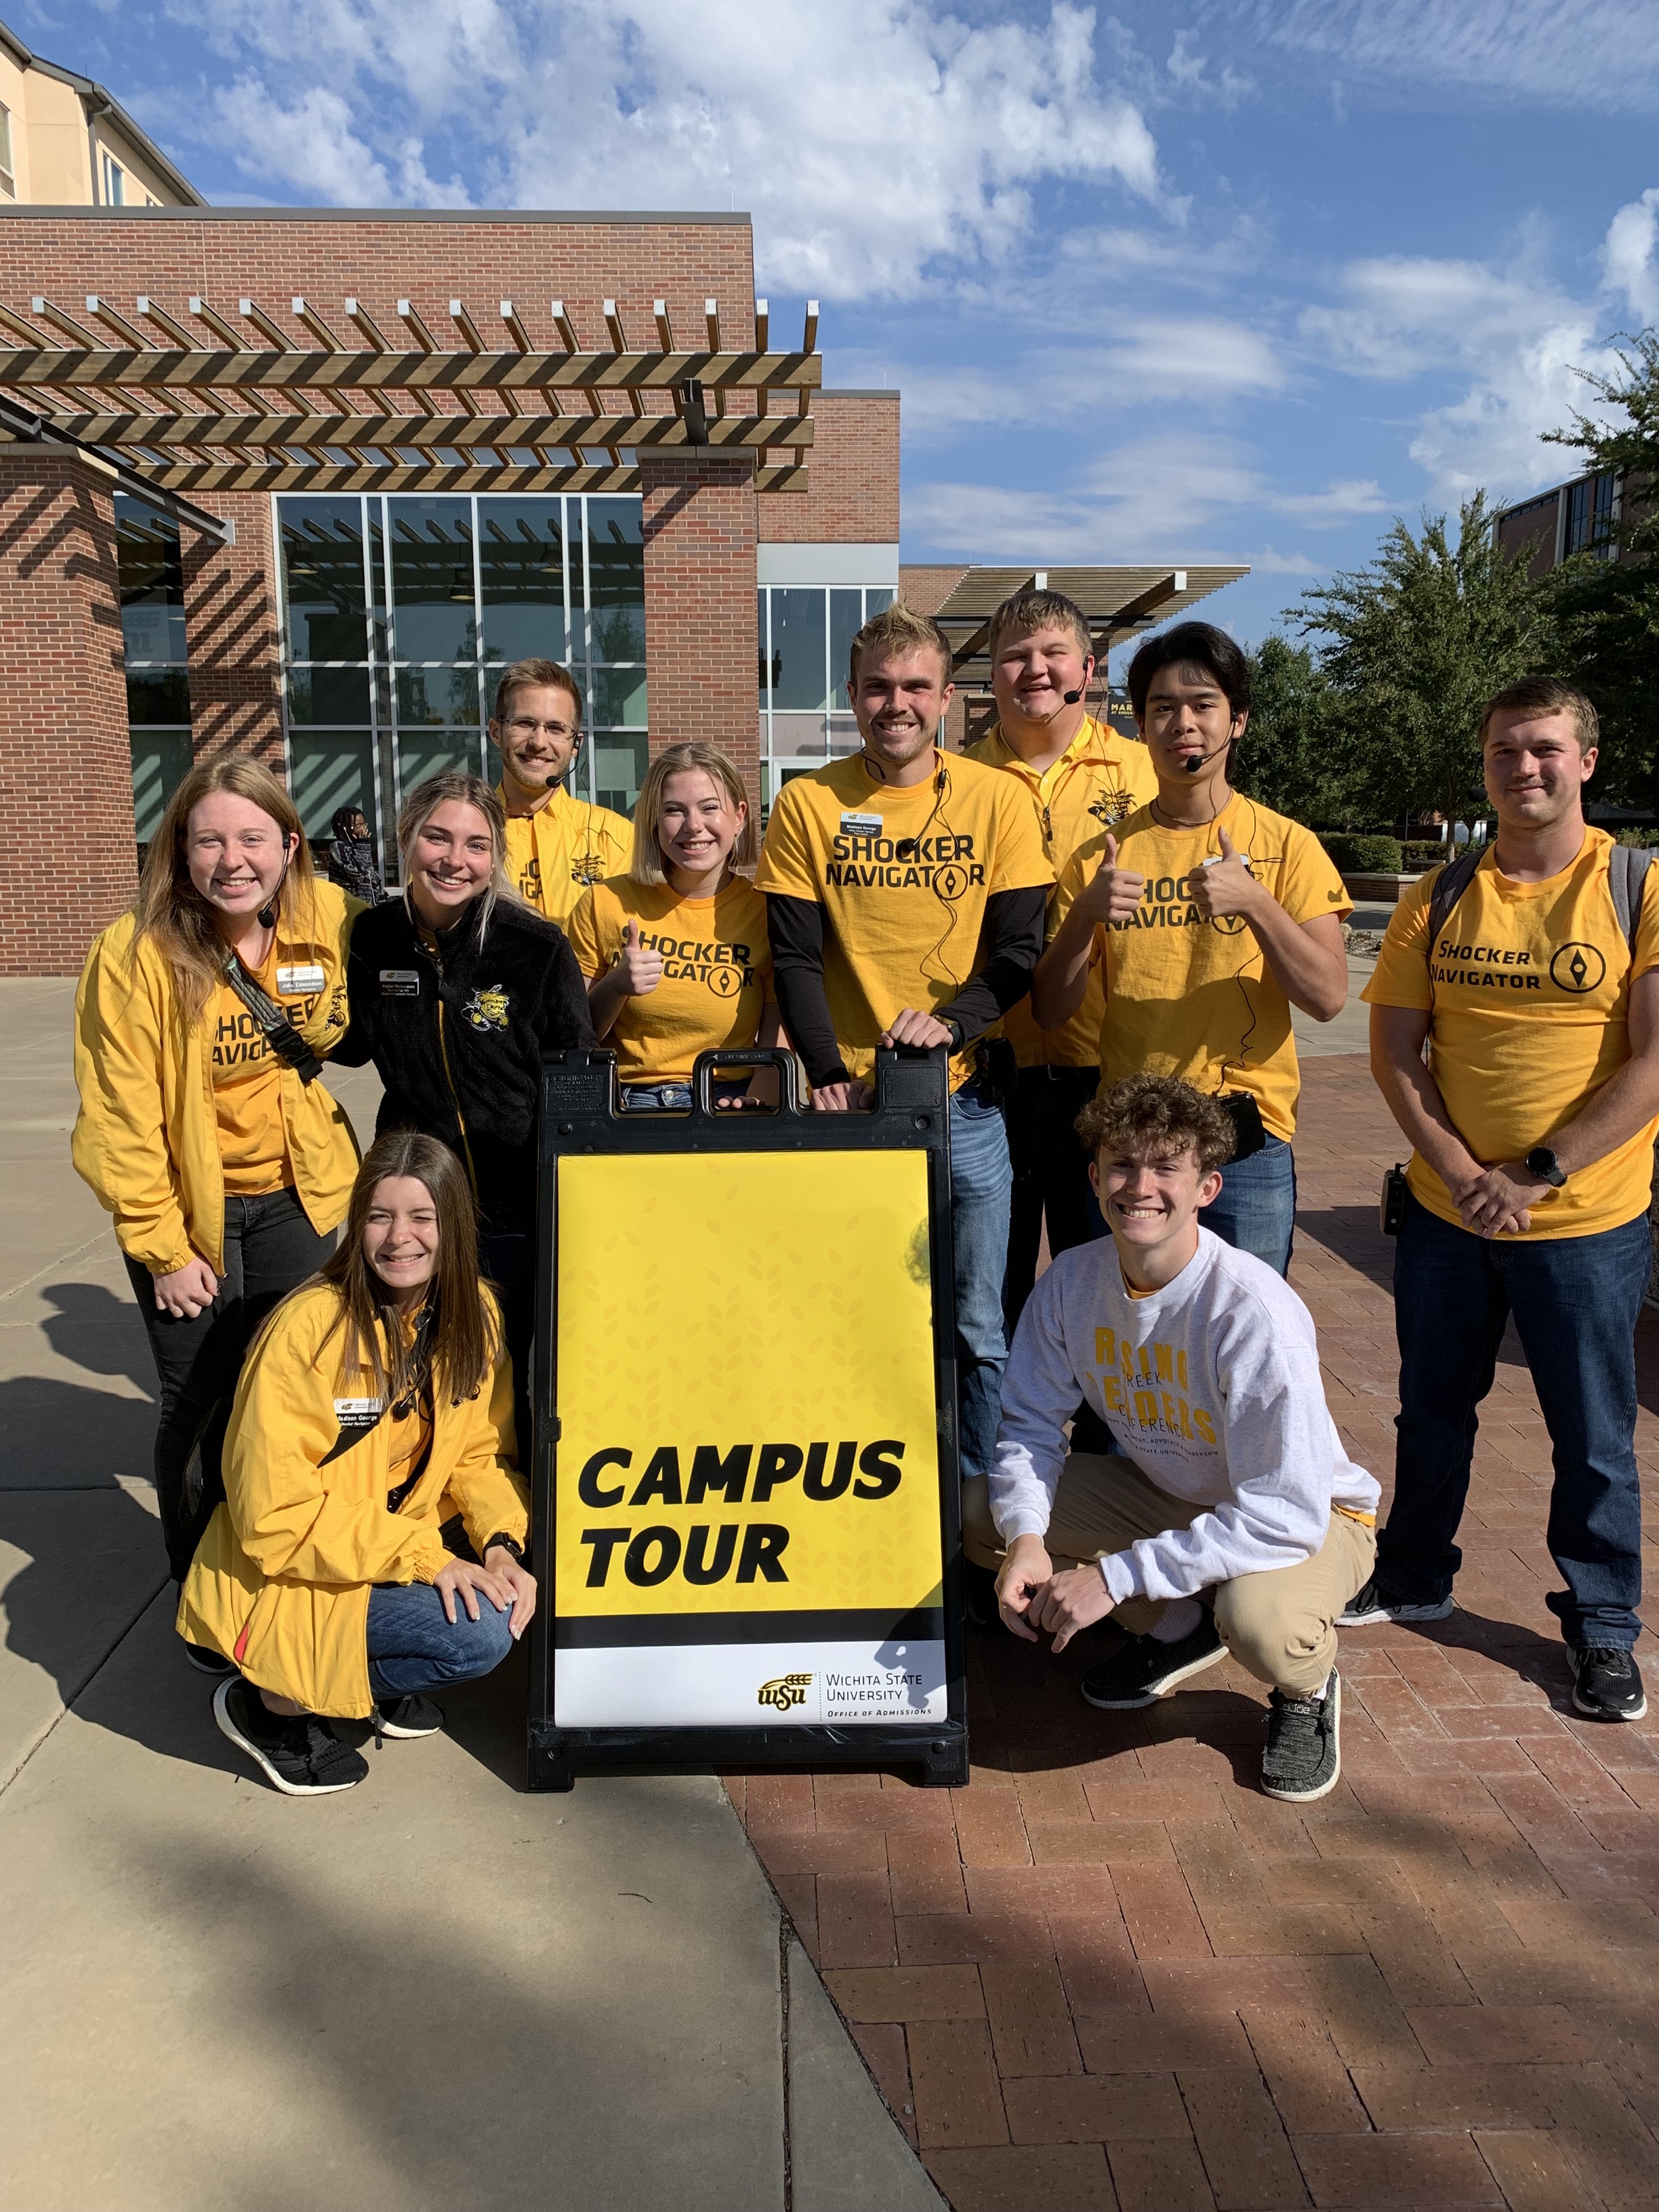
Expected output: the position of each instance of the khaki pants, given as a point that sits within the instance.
(1280, 1626)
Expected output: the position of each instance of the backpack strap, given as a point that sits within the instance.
(1449, 885)
(1627, 873)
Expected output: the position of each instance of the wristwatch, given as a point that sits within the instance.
(506, 1544)
(1542, 1163)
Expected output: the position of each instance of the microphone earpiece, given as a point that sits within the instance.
(1193, 766)
(1070, 698)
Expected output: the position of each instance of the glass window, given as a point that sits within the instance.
(421, 753)
(616, 698)
(160, 762)
(322, 546)
(521, 572)
(151, 578)
(615, 575)
(433, 614)
(158, 695)
(328, 695)
(799, 644)
(428, 696)
(333, 770)
(619, 766)
(846, 620)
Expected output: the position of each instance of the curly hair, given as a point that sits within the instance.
(1158, 1117)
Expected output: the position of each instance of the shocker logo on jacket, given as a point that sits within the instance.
(1109, 808)
(487, 1009)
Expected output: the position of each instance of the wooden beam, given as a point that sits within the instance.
(292, 371)
(314, 323)
(252, 311)
(359, 314)
(103, 312)
(216, 322)
(60, 321)
(565, 327)
(150, 312)
(461, 431)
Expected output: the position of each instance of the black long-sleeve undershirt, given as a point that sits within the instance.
(1011, 943)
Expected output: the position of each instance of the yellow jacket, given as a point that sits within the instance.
(558, 853)
(1097, 780)
(281, 1580)
(147, 1138)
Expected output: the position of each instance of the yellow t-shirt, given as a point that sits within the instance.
(553, 856)
(1097, 780)
(247, 1091)
(716, 977)
(903, 876)
(1528, 992)
(1193, 998)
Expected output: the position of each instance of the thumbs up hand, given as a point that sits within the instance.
(1113, 893)
(640, 967)
(1224, 885)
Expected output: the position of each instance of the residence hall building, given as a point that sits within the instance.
(295, 483)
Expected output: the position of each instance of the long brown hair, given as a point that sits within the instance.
(172, 911)
(462, 1337)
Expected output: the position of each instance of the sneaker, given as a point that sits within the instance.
(298, 1754)
(1303, 1754)
(407, 1717)
(208, 1663)
(1607, 1683)
(1145, 1670)
(1376, 1602)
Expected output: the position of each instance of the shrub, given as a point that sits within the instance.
(1642, 841)
(1427, 852)
(1363, 856)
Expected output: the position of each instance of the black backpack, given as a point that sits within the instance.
(1627, 870)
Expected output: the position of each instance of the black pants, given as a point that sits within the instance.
(1051, 1175)
(507, 1261)
(269, 1247)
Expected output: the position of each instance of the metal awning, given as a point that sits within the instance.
(1115, 602)
(297, 408)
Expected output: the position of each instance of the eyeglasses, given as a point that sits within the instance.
(526, 725)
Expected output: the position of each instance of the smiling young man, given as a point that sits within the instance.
(1209, 917)
(1230, 1519)
(1532, 1129)
(1082, 779)
(905, 891)
(557, 846)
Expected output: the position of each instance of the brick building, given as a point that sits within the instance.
(338, 612)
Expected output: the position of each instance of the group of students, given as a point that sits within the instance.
(1105, 940)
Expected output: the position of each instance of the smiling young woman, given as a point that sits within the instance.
(676, 951)
(201, 1019)
(377, 1399)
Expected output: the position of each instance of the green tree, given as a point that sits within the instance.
(1292, 757)
(1412, 646)
(1604, 603)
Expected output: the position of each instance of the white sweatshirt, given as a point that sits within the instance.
(1211, 1386)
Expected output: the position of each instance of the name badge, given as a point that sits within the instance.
(294, 983)
(351, 1412)
(860, 825)
(400, 982)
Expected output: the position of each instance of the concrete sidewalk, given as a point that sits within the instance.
(434, 1989)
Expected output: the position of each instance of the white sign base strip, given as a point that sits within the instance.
(750, 1685)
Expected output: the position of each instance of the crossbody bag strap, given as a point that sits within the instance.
(280, 1033)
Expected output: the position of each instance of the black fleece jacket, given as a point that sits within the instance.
(457, 1031)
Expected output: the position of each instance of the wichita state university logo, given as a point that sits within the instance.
(784, 1693)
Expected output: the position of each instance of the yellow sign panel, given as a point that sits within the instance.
(745, 1386)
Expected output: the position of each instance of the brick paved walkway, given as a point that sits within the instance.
(1113, 1972)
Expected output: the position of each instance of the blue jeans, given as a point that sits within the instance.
(1575, 1300)
(412, 1648)
(1255, 1210)
(676, 1098)
(981, 1182)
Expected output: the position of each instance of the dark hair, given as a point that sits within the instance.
(464, 1338)
(540, 675)
(344, 818)
(1028, 610)
(1545, 695)
(1160, 1116)
(1191, 645)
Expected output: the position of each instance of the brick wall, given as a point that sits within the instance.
(854, 465)
(699, 519)
(65, 765)
(230, 626)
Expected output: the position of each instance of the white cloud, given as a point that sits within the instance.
(870, 140)
(1190, 71)
(314, 138)
(1630, 256)
(1600, 54)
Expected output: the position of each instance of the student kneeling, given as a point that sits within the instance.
(1230, 1520)
(377, 1401)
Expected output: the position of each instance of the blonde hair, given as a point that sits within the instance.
(899, 629)
(537, 675)
(171, 910)
(423, 802)
(646, 866)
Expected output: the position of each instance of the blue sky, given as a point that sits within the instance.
(1226, 281)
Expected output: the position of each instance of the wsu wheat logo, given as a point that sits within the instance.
(786, 1692)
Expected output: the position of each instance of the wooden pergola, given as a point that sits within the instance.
(1115, 601)
(181, 411)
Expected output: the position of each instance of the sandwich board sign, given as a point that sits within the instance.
(747, 1514)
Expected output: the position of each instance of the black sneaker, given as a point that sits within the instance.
(1145, 1670)
(298, 1754)
(1607, 1683)
(208, 1663)
(1376, 1602)
(407, 1717)
(1303, 1756)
